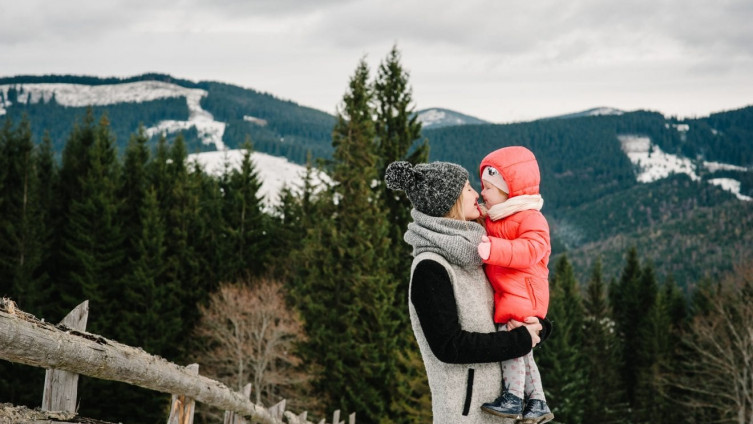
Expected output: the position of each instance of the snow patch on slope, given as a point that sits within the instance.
(434, 117)
(603, 111)
(653, 164)
(274, 172)
(730, 185)
(81, 95)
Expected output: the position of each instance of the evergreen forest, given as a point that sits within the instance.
(163, 250)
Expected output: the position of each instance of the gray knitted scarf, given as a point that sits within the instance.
(455, 240)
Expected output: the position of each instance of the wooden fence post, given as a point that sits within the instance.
(278, 410)
(26, 340)
(296, 419)
(182, 406)
(232, 417)
(352, 418)
(61, 387)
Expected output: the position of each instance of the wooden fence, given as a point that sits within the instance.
(66, 350)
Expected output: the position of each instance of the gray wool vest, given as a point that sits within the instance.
(458, 390)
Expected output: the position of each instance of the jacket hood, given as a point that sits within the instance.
(518, 167)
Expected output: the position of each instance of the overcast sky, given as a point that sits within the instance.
(498, 60)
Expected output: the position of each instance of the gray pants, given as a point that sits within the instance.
(521, 375)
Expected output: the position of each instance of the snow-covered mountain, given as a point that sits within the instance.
(652, 164)
(650, 161)
(437, 118)
(274, 172)
(597, 111)
(80, 95)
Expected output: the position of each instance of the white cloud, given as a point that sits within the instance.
(497, 60)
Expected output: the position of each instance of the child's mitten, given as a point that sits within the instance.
(485, 247)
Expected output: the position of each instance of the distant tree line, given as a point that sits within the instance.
(90, 80)
(155, 243)
(284, 128)
(595, 205)
(57, 121)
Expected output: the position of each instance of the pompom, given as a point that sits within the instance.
(399, 175)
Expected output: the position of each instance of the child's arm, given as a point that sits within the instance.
(522, 252)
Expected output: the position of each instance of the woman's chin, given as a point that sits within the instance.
(474, 215)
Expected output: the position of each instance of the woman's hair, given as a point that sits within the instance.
(456, 212)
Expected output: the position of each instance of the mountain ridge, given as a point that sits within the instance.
(442, 117)
(648, 171)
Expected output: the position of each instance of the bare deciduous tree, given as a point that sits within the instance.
(717, 376)
(247, 334)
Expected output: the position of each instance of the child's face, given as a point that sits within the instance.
(492, 195)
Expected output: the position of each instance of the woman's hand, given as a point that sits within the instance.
(532, 324)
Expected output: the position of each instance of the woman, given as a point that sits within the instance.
(451, 302)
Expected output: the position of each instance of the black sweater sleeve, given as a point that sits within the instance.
(434, 300)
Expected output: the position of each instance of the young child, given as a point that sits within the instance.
(516, 254)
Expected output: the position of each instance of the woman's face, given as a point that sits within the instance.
(470, 202)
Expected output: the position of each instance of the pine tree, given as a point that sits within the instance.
(344, 291)
(605, 398)
(76, 165)
(245, 223)
(661, 335)
(20, 232)
(135, 181)
(6, 280)
(653, 324)
(397, 130)
(211, 242)
(93, 246)
(628, 311)
(294, 215)
(152, 321)
(202, 219)
(178, 194)
(132, 194)
(21, 243)
(41, 292)
(93, 251)
(560, 359)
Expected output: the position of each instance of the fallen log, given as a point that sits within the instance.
(26, 340)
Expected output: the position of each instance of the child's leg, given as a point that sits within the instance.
(510, 402)
(514, 375)
(533, 386)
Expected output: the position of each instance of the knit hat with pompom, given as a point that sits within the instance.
(432, 188)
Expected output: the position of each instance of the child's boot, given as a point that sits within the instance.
(508, 405)
(536, 412)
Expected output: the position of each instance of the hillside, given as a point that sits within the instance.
(677, 189)
(211, 115)
(439, 117)
(615, 181)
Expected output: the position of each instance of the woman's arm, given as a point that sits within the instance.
(434, 300)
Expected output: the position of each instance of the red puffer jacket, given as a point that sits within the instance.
(518, 264)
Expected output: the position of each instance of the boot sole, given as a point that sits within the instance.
(501, 414)
(540, 420)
